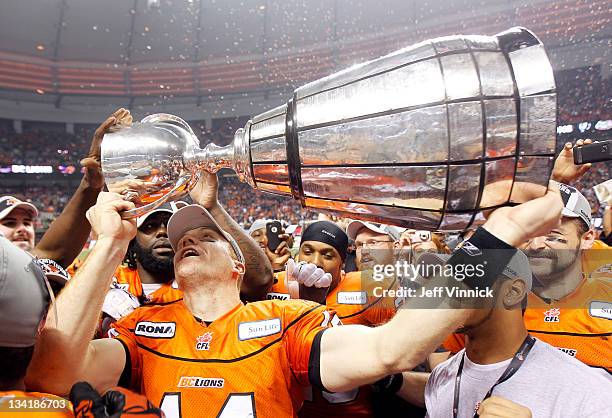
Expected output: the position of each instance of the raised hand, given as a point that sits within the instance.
(92, 162)
(105, 218)
(206, 190)
(564, 170)
(534, 218)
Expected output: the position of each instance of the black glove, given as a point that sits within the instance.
(388, 384)
(115, 403)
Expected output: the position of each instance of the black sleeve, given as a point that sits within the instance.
(607, 240)
(314, 362)
(389, 384)
(484, 249)
(126, 375)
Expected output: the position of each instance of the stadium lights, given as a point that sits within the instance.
(153, 4)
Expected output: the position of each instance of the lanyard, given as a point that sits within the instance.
(515, 364)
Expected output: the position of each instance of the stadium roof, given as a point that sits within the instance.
(147, 52)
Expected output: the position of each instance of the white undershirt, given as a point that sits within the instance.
(149, 288)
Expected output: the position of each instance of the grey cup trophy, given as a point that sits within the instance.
(425, 137)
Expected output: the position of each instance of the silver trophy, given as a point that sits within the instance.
(425, 137)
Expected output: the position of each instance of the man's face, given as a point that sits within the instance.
(552, 254)
(260, 237)
(203, 253)
(373, 249)
(483, 314)
(152, 247)
(323, 256)
(476, 318)
(18, 227)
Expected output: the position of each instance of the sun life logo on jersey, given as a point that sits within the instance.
(552, 315)
(203, 341)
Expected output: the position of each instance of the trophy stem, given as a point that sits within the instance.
(213, 158)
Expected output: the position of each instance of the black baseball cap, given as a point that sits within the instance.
(168, 207)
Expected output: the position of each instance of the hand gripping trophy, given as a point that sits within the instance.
(425, 137)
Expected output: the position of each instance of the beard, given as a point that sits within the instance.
(157, 266)
(560, 260)
(467, 328)
(24, 245)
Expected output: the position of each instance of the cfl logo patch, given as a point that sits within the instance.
(552, 315)
(203, 341)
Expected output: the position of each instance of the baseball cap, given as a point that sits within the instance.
(354, 227)
(259, 224)
(517, 268)
(575, 204)
(196, 216)
(53, 271)
(168, 207)
(24, 296)
(10, 203)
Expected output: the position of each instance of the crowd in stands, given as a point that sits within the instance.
(598, 174)
(49, 200)
(583, 94)
(244, 204)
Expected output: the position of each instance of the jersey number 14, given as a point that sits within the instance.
(236, 405)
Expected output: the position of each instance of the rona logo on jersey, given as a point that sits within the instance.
(278, 296)
(155, 329)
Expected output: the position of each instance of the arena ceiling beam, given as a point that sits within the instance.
(129, 51)
(196, 53)
(56, 49)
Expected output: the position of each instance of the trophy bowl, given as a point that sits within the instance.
(147, 162)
